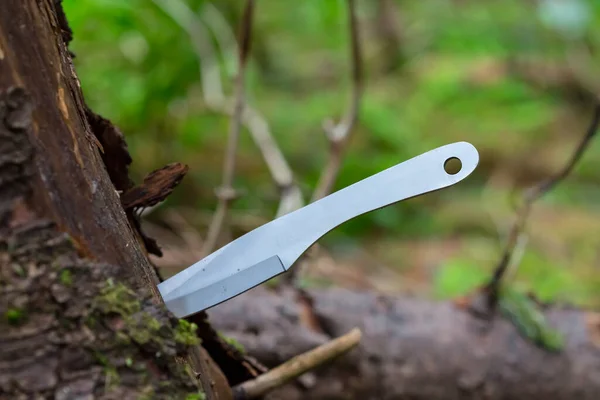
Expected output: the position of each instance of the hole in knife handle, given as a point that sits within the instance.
(452, 166)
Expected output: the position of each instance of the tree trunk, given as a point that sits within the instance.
(412, 349)
(80, 313)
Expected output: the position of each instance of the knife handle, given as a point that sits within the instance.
(419, 175)
(422, 174)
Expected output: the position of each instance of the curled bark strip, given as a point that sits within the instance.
(157, 186)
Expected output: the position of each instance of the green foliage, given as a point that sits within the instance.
(139, 68)
(537, 272)
(459, 277)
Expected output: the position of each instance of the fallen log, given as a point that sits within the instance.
(412, 348)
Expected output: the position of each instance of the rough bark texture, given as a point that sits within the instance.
(413, 349)
(69, 329)
(72, 186)
(80, 315)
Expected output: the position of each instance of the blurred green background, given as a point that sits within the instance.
(515, 78)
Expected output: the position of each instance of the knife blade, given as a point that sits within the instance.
(272, 248)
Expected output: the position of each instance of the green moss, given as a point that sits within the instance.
(118, 299)
(19, 270)
(111, 376)
(232, 342)
(101, 358)
(66, 278)
(121, 300)
(186, 333)
(15, 316)
(529, 321)
(147, 393)
(139, 327)
(196, 396)
(144, 329)
(123, 338)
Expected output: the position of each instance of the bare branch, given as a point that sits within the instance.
(184, 16)
(531, 195)
(297, 366)
(223, 34)
(339, 135)
(252, 120)
(226, 193)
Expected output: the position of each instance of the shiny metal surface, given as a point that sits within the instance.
(273, 248)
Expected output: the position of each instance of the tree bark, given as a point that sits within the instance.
(412, 349)
(80, 313)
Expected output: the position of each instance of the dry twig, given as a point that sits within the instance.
(531, 195)
(226, 193)
(339, 135)
(297, 366)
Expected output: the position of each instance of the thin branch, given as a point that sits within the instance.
(216, 101)
(531, 195)
(225, 37)
(226, 193)
(339, 135)
(297, 366)
(185, 17)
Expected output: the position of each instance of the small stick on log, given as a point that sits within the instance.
(296, 366)
(531, 195)
(339, 135)
(226, 193)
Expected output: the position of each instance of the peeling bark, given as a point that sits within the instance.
(413, 349)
